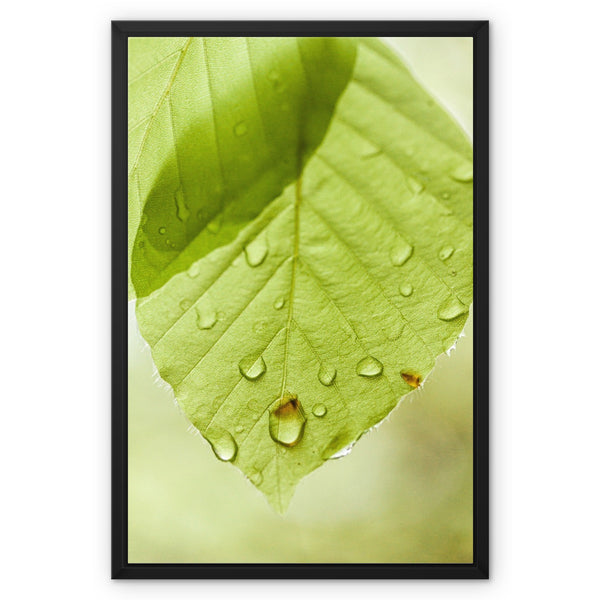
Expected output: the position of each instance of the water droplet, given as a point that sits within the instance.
(162, 230)
(239, 429)
(451, 309)
(279, 303)
(276, 81)
(343, 452)
(240, 129)
(252, 368)
(394, 331)
(186, 304)
(223, 445)
(412, 379)
(255, 477)
(181, 208)
(406, 289)
(215, 225)
(416, 187)
(369, 367)
(327, 374)
(287, 420)
(256, 251)
(446, 252)
(319, 410)
(206, 317)
(463, 173)
(401, 252)
(194, 270)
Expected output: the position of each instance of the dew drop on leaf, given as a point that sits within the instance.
(369, 367)
(240, 129)
(239, 429)
(194, 270)
(287, 420)
(279, 303)
(252, 368)
(406, 289)
(451, 309)
(185, 304)
(256, 252)
(400, 253)
(260, 325)
(223, 445)
(327, 374)
(446, 252)
(255, 477)
(319, 410)
(463, 173)
(206, 317)
(181, 208)
(162, 230)
(416, 187)
(276, 81)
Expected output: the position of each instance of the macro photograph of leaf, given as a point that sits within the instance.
(300, 251)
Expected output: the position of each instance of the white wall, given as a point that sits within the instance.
(55, 334)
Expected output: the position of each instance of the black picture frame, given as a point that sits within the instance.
(479, 31)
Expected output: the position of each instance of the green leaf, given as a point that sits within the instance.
(217, 128)
(284, 346)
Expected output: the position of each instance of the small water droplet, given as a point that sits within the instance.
(319, 410)
(181, 208)
(260, 325)
(451, 309)
(394, 331)
(256, 251)
(186, 304)
(412, 379)
(255, 477)
(416, 187)
(463, 173)
(240, 129)
(162, 230)
(252, 368)
(327, 374)
(194, 270)
(406, 289)
(223, 445)
(401, 252)
(279, 303)
(276, 81)
(206, 317)
(215, 225)
(446, 252)
(287, 420)
(239, 429)
(445, 195)
(369, 367)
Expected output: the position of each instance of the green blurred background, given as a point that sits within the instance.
(404, 493)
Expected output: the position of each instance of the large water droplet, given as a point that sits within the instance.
(446, 252)
(279, 303)
(406, 289)
(206, 317)
(223, 445)
(214, 226)
(256, 251)
(451, 309)
(319, 410)
(181, 208)
(327, 374)
(369, 367)
(287, 420)
(240, 129)
(252, 368)
(400, 253)
(463, 173)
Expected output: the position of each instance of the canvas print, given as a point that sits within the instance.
(300, 251)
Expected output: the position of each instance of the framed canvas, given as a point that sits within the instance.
(300, 299)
